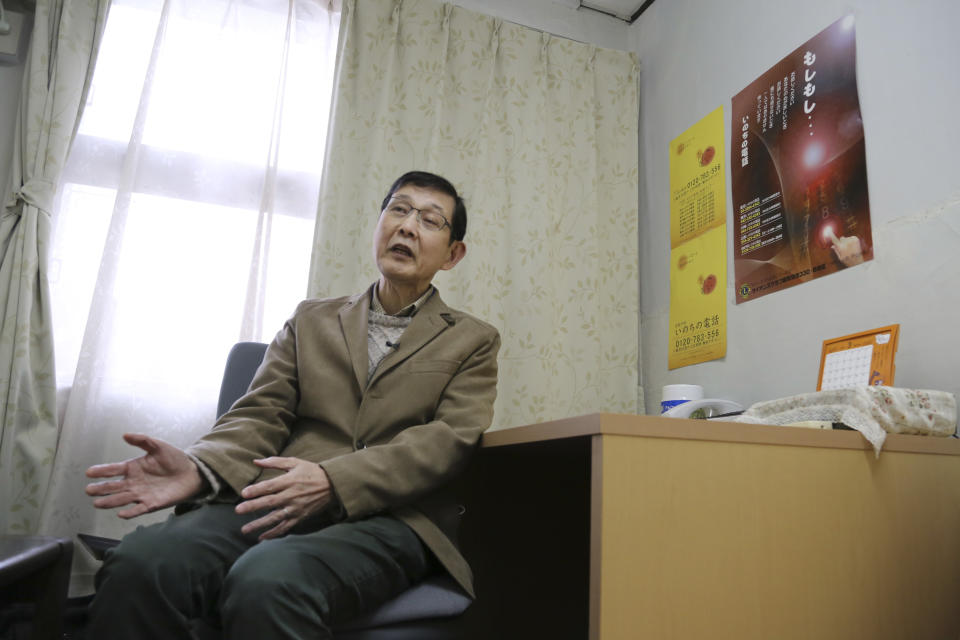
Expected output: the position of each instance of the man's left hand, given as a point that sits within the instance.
(300, 492)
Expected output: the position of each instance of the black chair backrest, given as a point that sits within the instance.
(242, 363)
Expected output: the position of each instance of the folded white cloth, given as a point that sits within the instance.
(873, 411)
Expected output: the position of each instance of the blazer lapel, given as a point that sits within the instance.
(432, 319)
(353, 323)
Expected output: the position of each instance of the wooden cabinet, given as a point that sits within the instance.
(627, 527)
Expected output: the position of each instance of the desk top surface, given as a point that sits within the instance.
(714, 430)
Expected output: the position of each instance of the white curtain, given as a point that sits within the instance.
(540, 135)
(57, 75)
(184, 221)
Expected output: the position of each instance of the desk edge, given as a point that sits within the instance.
(717, 431)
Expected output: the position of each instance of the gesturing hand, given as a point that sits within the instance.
(303, 490)
(162, 477)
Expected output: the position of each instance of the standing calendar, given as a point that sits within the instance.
(859, 359)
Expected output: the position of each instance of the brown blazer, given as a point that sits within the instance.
(388, 445)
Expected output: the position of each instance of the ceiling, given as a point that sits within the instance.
(627, 10)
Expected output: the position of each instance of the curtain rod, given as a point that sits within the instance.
(630, 20)
(526, 26)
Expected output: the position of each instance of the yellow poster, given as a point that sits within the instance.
(698, 244)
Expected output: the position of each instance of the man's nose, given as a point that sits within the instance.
(410, 224)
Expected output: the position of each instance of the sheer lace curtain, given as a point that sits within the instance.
(184, 221)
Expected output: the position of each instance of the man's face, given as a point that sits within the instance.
(408, 255)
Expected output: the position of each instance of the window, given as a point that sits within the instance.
(185, 217)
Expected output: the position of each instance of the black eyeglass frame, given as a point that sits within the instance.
(446, 223)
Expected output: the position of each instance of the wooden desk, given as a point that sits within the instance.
(623, 527)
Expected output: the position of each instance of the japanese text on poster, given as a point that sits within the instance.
(798, 169)
(698, 244)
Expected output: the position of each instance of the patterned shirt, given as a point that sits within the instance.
(384, 330)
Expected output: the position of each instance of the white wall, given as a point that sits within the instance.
(697, 54)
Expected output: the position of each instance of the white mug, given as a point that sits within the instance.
(675, 394)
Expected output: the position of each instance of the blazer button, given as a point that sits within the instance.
(361, 444)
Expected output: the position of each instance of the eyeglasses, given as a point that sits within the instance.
(428, 220)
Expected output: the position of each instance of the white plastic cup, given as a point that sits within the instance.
(675, 394)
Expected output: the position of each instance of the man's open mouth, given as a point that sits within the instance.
(402, 250)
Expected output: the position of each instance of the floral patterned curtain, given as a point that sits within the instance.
(539, 133)
(57, 75)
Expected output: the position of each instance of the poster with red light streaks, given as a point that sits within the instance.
(798, 168)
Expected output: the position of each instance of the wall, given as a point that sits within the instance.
(695, 56)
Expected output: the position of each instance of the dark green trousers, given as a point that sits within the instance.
(163, 578)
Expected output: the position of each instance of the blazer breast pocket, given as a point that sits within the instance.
(415, 388)
(432, 366)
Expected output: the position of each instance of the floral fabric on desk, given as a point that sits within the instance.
(873, 411)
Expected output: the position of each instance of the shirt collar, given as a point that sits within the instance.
(409, 310)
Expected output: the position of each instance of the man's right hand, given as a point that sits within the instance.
(162, 477)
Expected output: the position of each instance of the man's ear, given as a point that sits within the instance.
(457, 250)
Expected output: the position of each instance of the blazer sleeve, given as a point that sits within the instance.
(259, 423)
(421, 458)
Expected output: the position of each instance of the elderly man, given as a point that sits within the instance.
(321, 493)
